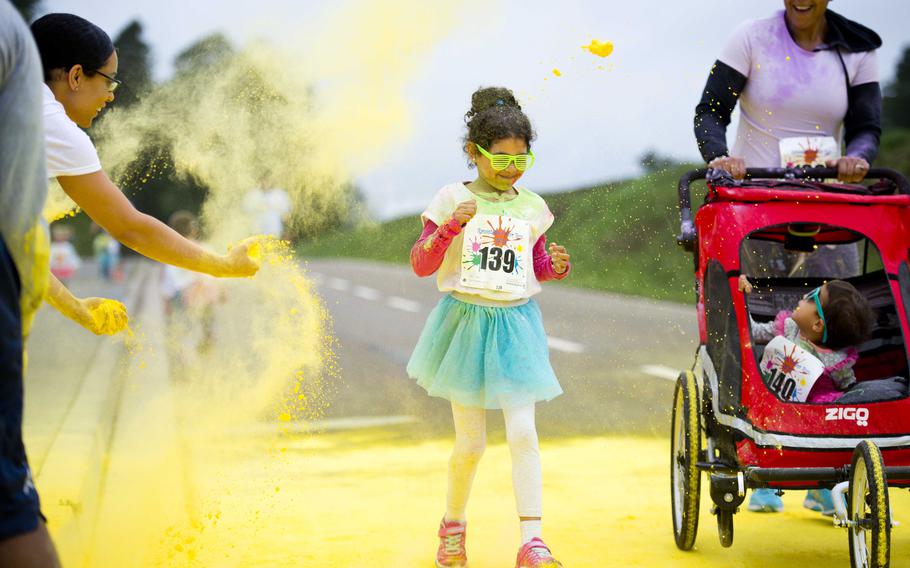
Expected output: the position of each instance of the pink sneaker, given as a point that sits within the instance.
(536, 554)
(451, 550)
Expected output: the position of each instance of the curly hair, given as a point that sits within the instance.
(495, 114)
(847, 315)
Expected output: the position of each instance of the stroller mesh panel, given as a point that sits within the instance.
(723, 338)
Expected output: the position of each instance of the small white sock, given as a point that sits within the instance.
(529, 530)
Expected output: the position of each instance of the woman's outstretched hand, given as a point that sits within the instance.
(850, 169)
(736, 166)
(102, 316)
(243, 259)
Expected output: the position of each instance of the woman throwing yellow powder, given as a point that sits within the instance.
(80, 77)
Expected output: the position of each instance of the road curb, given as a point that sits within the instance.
(69, 481)
(142, 481)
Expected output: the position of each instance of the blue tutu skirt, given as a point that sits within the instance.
(484, 357)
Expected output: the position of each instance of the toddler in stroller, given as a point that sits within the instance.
(828, 323)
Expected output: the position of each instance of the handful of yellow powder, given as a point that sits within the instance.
(110, 317)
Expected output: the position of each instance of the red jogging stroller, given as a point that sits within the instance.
(732, 425)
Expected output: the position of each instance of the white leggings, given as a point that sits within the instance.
(470, 441)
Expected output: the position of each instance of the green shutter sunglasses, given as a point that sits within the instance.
(502, 161)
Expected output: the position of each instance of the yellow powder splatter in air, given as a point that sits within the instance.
(557, 72)
(598, 48)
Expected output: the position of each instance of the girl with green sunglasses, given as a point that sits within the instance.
(484, 345)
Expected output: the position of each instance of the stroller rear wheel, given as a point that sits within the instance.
(685, 479)
(868, 509)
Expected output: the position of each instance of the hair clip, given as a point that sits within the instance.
(500, 102)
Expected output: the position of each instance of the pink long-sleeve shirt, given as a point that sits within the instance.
(429, 250)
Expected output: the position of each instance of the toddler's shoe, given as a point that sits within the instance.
(765, 500)
(820, 500)
(451, 550)
(536, 554)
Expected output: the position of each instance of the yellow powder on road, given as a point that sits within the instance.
(598, 48)
(557, 72)
(352, 499)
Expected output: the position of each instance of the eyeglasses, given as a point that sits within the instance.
(816, 295)
(501, 161)
(112, 82)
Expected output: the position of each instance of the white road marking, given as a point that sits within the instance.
(339, 284)
(403, 304)
(325, 425)
(359, 422)
(366, 293)
(564, 345)
(660, 371)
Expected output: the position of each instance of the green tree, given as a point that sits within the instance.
(28, 8)
(895, 147)
(150, 181)
(897, 96)
(135, 65)
(206, 53)
(652, 161)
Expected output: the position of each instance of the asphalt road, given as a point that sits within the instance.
(615, 356)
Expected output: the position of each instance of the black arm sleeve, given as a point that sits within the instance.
(863, 123)
(712, 115)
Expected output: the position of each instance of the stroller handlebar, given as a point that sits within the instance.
(687, 236)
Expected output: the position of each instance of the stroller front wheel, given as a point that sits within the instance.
(868, 509)
(725, 527)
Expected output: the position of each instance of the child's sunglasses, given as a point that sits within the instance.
(815, 295)
(502, 161)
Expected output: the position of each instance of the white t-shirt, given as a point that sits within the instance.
(174, 281)
(69, 150)
(268, 209)
(527, 206)
(790, 92)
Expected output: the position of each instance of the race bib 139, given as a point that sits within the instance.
(496, 252)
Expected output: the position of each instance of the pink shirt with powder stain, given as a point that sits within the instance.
(790, 92)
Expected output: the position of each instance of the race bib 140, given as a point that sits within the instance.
(496, 252)
(789, 370)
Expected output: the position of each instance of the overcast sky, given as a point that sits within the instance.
(592, 123)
